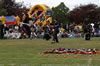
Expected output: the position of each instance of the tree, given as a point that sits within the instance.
(60, 13)
(98, 15)
(13, 8)
(3, 12)
(85, 13)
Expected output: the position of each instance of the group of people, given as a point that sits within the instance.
(26, 30)
(85, 30)
(55, 30)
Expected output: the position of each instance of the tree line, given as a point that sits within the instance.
(89, 13)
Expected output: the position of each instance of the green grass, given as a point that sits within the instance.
(25, 52)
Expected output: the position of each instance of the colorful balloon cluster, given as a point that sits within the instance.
(73, 51)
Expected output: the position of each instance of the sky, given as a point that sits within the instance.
(53, 3)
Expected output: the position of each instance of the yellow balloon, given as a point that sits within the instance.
(18, 20)
(3, 19)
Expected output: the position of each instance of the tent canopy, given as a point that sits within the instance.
(10, 18)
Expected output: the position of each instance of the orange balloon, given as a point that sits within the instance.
(39, 53)
(90, 56)
(65, 56)
(56, 56)
(45, 55)
(97, 53)
(75, 57)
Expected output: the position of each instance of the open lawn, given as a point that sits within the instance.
(24, 52)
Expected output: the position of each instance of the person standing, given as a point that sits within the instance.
(55, 32)
(88, 32)
(26, 26)
(1, 30)
(47, 34)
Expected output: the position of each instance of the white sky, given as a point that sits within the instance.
(69, 3)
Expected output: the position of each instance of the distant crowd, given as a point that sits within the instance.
(37, 31)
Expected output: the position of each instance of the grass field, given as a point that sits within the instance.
(24, 52)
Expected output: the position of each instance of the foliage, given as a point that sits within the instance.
(3, 12)
(60, 13)
(14, 8)
(85, 13)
